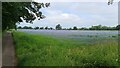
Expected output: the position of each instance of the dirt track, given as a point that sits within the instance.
(8, 54)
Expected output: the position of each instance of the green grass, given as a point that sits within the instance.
(39, 50)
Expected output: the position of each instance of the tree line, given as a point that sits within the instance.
(28, 27)
(59, 27)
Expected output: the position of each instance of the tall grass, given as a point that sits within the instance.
(39, 50)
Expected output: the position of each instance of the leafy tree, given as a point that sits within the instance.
(118, 27)
(58, 27)
(19, 27)
(46, 27)
(51, 28)
(64, 29)
(110, 2)
(41, 28)
(98, 27)
(30, 28)
(26, 27)
(75, 28)
(104, 28)
(36, 28)
(16, 12)
(83, 28)
(70, 29)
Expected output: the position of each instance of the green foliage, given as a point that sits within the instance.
(100, 27)
(25, 27)
(75, 28)
(36, 28)
(28, 27)
(46, 27)
(118, 27)
(58, 27)
(110, 2)
(14, 12)
(41, 27)
(83, 28)
(50, 28)
(68, 29)
(39, 50)
(19, 27)
(97, 27)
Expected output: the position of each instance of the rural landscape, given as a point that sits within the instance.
(45, 34)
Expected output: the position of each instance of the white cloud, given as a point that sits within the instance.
(79, 14)
(63, 18)
(74, 0)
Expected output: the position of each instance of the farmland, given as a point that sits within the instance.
(66, 48)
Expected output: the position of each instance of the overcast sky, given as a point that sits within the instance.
(80, 14)
(74, 0)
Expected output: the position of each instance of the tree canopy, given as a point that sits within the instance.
(118, 27)
(110, 2)
(75, 28)
(16, 12)
(58, 27)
